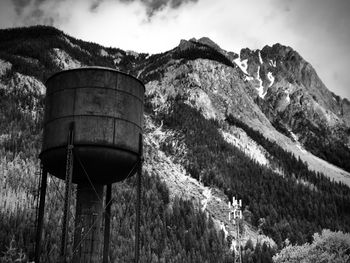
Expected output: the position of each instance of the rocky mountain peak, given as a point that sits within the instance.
(277, 50)
(185, 44)
(207, 41)
(295, 100)
(203, 40)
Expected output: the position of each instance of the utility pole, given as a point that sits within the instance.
(236, 210)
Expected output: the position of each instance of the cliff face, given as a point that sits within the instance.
(294, 94)
(297, 103)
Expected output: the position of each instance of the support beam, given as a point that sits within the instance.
(107, 224)
(138, 201)
(40, 219)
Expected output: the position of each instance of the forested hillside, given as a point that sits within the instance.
(294, 205)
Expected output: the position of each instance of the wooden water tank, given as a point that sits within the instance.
(106, 107)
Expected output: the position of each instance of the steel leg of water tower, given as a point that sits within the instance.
(138, 208)
(69, 174)
(107, 223)
(138, 201)
(40, 218)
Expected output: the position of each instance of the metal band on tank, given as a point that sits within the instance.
(92, 116)
(89, 145)
(96, 87)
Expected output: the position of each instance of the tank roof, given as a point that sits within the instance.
(96, 68)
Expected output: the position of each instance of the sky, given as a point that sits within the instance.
(319, 30)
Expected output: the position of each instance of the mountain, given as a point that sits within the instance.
(258, 126)
(299, 105)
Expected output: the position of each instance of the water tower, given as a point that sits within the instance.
(92, 137)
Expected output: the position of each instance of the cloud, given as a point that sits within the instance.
(95, 5)
(32, 12)
(51, 12)
(152, 6)
(20, 5)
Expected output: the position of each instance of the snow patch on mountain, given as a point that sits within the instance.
(271, 78)
(248, 78)
(260, 59)
(288, 98)
(242, 64)
(260, 89)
